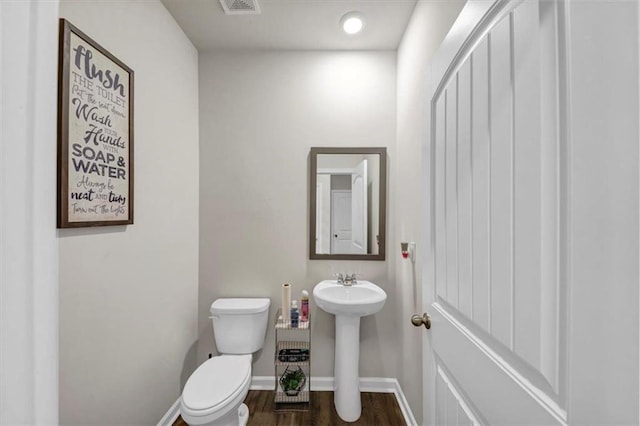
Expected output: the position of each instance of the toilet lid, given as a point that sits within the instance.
(216, 380)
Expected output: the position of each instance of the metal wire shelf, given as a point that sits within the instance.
(292, 355)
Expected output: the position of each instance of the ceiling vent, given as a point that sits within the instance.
(240, 7)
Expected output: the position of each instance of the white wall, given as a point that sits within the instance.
(28, 245)
(128, 295)
(260, 115)
(429, 24)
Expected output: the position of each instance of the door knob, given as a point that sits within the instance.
(418, 320)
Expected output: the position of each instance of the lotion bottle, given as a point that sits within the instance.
(304, 306)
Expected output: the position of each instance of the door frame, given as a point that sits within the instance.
(28, 242)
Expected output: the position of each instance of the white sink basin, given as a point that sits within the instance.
(348, 304)
(360, 299)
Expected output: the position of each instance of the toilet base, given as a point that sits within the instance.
(238, 417)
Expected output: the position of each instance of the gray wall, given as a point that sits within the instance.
(128, 295)
(139, 323)
(428, 26)
(260, 115)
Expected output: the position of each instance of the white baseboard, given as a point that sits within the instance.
(263, 383)
(171, 415)
(320, 384)
(404, 405)
(367, 384)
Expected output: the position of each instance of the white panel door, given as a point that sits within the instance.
(532, 280)
(359, 223)
(341, 221)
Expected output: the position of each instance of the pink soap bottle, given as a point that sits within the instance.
(304, 306)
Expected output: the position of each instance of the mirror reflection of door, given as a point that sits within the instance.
(359, 203)
(323, 214)
(342, 209)
(319, 224)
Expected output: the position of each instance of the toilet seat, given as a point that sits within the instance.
(217, 386)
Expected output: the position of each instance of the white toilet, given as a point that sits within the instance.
(215, 392)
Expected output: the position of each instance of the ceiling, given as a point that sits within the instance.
(292, 24)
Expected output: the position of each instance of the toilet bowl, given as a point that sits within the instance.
(215, 392)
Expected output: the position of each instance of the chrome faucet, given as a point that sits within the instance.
(346, 279)
(350, 279)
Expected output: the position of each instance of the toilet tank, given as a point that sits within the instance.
(240, 325)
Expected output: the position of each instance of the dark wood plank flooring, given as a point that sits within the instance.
(378, 409)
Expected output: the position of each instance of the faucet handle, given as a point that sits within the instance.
(351, 278)
(339, 277)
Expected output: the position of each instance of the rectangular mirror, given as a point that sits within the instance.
(348, 197)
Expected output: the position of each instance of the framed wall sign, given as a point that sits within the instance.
(95, 134)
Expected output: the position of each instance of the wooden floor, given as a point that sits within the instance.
(378, 409)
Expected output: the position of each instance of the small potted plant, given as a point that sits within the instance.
(292, 381)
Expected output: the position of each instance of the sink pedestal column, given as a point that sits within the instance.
(346, 396)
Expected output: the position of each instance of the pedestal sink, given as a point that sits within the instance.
(348, 303)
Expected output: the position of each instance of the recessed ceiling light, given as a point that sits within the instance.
(352, 22)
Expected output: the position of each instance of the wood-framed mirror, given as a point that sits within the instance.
(348, 203)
